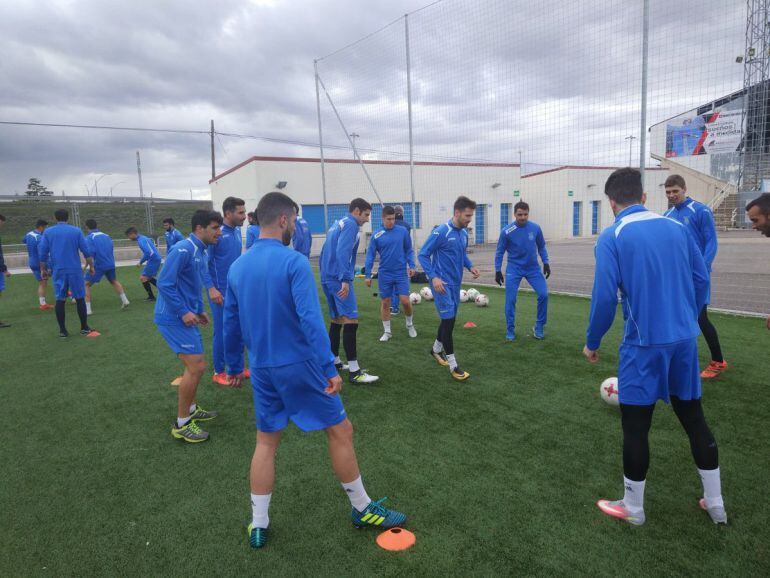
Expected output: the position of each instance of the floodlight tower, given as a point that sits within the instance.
(755, 164)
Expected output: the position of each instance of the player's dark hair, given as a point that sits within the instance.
(230, 204)
(131, 230)
(61, 215)
(170, 221)
(273, 205)
(203, 218)
(361, 204)
(521, 205)
(624, 186)
(463, 203)
(388, 210)
(255, 217)
(91, 224)
(762, 202)
(675, 181)
(41, 223)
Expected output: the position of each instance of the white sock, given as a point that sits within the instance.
(409, 321)
(353, 363)
(337, 360)
(123, 299)
(42, 300)
(438, 347)
(182, 421)
(88, 307)
(193, 407)
(259, 505)
(386, 326)
(634, 496)
(712, 487)
(452, 361)
(357, 494)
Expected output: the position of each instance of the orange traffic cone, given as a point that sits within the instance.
(396, 539)
(469, 325)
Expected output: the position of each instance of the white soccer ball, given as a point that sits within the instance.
(473, 293)
(426, 293)
(415, 298)
(482, 300)
(609, 391)
(463, 296)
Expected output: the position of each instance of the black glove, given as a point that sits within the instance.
(499, 279)
(546, 270)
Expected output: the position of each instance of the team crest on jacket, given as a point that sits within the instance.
(531, 236)
(687, 220)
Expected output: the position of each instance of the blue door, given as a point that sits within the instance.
(595, 220)
(505, 215)
(481, 228)
(577, 209)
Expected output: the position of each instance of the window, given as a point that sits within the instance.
(577, 207)
(314, 215)
(505, 215)
(377, 214)
(596, 217)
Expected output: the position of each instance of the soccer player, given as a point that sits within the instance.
(220, 257)
(62, 244)
(179, 311)
(101, 247)
(252, 231)
(394, 245)
(337, 263)
(302, 240)
(443, 257)
(150, 259)
(663, 281)
(699, 222)
(172, 235)
(758, 212)
(3, 271)
(293, 372)
(32, 240)
(394, 310)
(523, 240)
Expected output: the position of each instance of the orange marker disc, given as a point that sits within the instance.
(469, 325)
(396, 539)
(176, 381)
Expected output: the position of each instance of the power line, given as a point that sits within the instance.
(93, 126)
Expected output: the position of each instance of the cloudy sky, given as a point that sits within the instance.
(558, 81)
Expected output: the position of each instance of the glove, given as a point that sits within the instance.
(546, 270)
(499, 279)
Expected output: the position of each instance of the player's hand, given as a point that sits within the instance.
(412, 272)
(546, 270)
(235, 381)
(335, 385)
(143, 279)
(216, 296)
(203, 318)
(590, 354)
(91, 270)
(475, 272)
(190, 319)
(438, 286)
(368, 282)
(499, 279)
(139, 264)
(344, 290)
(7, 273)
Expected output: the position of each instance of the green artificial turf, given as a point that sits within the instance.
(499, 474)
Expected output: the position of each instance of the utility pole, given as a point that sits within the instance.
(630, 138)
(354, 136)
(213, 163)
(139, 173)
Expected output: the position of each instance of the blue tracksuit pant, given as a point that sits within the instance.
(512, 281)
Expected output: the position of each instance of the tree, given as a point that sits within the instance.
(35, 189)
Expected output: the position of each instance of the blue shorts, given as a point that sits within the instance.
(447, 304)
(182, 338)
(339, 307)
(393, 285)
(36, 273)
(294, 392)
(151, 268)
(647, 374)
(63, 282)
(2, 282)
(98, 274)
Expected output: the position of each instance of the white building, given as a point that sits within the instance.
(565, 201)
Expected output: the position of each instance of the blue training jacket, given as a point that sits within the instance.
(661, 276)
(302, 240)
(172, 238)
(62, 244)
(180, 282)
(101, 248)
(443, 254)
(252, 234)
(222, 255)
(272, 307)
(32, 240)
(699, 221)
(148, 248)
(395, 248)
(523, 245)
(338, 255)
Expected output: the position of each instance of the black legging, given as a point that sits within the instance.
(444, 336)
(710, 335)
(636, 421)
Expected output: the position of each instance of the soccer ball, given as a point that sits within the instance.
(609, 391)
(463, 296)
(482, 300)
(415, 298)
(426, 293)
(473, 293)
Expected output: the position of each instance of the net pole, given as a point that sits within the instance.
(321, 146)
(411, 140)
(643, 113)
